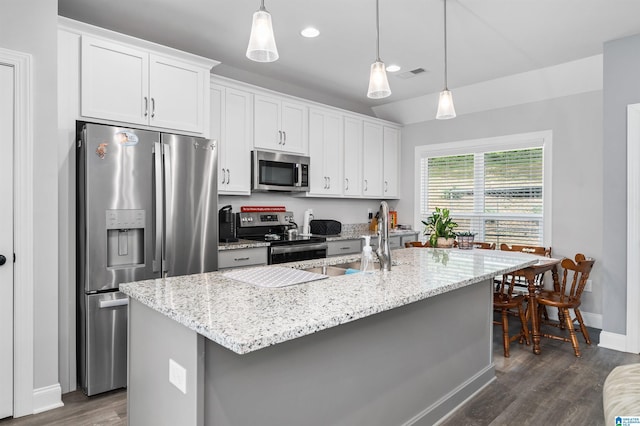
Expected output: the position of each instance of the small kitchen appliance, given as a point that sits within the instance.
(274, 228)
(227, 224)
(274, 171)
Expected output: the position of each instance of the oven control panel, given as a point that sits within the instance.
(253, 219)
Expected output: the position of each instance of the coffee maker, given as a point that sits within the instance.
(227, 225)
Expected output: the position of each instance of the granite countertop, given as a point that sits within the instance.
(245, 318)
(242, 244)
(355, 235)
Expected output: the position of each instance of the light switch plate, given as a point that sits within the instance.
(589, 286)
(178, 376)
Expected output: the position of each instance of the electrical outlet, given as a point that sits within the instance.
(589, 286)
(178, 376)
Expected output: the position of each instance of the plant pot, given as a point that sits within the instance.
(445, 242)
(465, 242)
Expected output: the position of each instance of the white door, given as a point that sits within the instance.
(6, 240)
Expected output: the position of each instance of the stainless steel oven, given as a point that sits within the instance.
(272, 227)
(274, 171)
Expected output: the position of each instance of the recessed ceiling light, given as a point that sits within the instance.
(393, 68)
(310, 32)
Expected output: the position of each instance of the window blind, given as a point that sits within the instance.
(496, 194)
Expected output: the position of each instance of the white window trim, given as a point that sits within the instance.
(499, 143)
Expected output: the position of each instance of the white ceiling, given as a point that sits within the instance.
(487, 39)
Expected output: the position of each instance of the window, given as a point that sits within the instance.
(498, 188)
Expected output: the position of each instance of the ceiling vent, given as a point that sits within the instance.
(410, 74)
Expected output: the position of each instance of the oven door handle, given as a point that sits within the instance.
(298, 248)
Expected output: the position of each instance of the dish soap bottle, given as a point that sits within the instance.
(366, 262)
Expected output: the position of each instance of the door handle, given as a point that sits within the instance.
(113, 303)
(280, 137)
(386, 186)
(366, 185)
(228, 176)
(346, 180)
(284, 141)
(223, 176)
(146, 106)
(3, 260)
(153, 107)
(329, 179)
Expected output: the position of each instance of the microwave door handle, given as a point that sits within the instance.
(298, 178)
(157, 182)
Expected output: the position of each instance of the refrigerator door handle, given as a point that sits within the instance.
(157, 164)
(113, 303)
(168, 218)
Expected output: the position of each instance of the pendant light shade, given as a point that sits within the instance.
(445, 106)
(445, 103)
(262, 43)
(378, 83)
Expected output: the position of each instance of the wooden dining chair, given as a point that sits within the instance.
(537, 250)
(567, 297)
(484, 245)
(504, 302)
(410, 244)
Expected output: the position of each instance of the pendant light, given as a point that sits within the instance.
(262, 43)
(378, 84)
(445, 104)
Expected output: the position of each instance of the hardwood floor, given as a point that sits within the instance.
(548, 389)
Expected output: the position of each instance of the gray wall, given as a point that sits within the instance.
(577, 193)
(30, 26)
(621, 87)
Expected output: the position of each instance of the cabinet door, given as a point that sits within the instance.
(177, 95)
(237, 141)
(266, 123)
(325, 150)
(390, 159)
(294, 127)
(372, 168)
(352, 157)
(114, 82)
(216, 121)
(317, 177)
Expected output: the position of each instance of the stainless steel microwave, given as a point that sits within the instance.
(274, 171)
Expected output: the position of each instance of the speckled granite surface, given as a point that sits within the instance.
(242, 244)
(245, 318)
(356, 230)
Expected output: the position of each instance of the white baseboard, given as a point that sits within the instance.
(590, 320)
(47, 398)
(615, 341)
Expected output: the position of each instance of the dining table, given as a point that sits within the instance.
(529, 274)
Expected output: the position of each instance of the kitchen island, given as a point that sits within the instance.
(400, 347)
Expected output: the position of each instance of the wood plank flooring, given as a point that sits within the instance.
(554, 388)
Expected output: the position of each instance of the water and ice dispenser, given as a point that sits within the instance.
(125, 238)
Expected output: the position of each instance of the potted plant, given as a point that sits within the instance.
(465, 240)
(440, 228)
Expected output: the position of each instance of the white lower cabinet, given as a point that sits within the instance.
(237, 258)
(231, 126)
(342, 247)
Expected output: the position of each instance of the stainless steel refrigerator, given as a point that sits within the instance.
(147, 208)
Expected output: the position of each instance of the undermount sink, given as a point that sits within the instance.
(331, 271)
(339, 269)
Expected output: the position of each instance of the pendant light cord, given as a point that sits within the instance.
(377, 33)
(262, 5)
(445, 46)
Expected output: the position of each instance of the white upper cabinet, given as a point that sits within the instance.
(391, 159)
(372, 167)
(352, 185)
(231, 126)
(128, 84)
(325, 151)
(280, 125)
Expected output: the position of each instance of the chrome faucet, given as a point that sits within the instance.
(383, 251)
